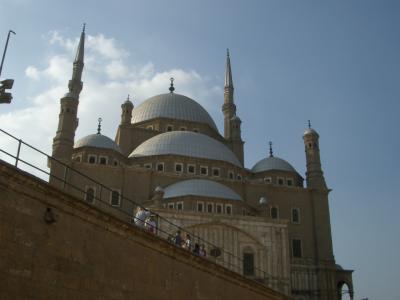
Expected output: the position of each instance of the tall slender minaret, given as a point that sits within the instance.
(320, 216)
(314, 175)
(63, 142)
(232, 123)
(229, 107)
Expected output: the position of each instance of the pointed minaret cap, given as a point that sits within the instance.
(228, 71)
(81, 47)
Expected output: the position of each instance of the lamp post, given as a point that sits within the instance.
(8, 83)
(5, 49)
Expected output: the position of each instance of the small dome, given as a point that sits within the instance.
(97, 141)
(236, 118)
(172, 106)
(262, 200)
(127, 103)
(310, 131)
(272, 163)
(200, 187)
(186, 143)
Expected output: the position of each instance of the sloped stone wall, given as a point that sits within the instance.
(76, 251)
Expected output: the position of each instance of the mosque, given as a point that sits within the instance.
(169, 156)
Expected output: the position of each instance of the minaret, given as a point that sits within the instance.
(232, 123)
(126, 114)
(229, 107)
(63, 142)
(320, 216)
(314, 175)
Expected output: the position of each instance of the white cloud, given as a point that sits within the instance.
(32, 73)
(106, 47)
(116, 70)
(59, 69)
(108, 77)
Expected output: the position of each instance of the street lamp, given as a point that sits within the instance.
(7, 83)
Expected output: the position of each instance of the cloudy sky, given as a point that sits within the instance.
(334, 62)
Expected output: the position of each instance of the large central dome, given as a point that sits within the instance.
(186, 143)
(172, 106)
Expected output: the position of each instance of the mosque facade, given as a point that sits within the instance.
(272, 224)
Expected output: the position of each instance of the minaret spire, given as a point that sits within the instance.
(228, 71)
(229, 107)
(75, 84)
(81, 47)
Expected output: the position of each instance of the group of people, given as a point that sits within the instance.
(188, 245)
(144, 219)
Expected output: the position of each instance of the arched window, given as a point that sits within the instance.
(274, 212)
(89, 195)
(115, 198)
(248, 263)
(295, 215)
(297, 250)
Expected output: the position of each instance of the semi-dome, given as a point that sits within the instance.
(272, 163)
(172, 106)
(186, 143)
(97, 141)
(200, 187)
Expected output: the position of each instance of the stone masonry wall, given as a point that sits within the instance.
(88, 254)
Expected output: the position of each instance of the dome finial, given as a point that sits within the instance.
(309, 124)
(99, 125)
(127, 98)
(171, 88)
(271, 153)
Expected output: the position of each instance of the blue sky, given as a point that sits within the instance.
(334, 62)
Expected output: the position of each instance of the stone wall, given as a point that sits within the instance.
(76, 251)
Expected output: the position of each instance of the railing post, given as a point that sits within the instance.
(101, 190)
(157, 223)
(18, 152)
(65, 176)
